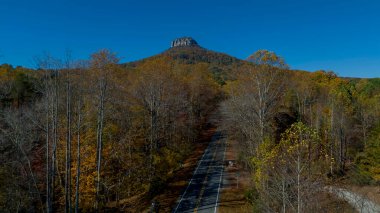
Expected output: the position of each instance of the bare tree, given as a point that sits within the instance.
(68, 136)
(79, 125)
(20, 133)
(253, 100)
(51, 67)
(102, 64)
(80, 94)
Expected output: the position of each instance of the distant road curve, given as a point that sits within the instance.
(361, 204)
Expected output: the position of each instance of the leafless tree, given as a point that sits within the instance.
(102, 64)
(20, 132)
(50, 90)
(253, 101)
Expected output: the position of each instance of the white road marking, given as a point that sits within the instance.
(205, 181)
(195, 172)
(221, 175)
(216, 166)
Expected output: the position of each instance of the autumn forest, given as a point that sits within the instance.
(91, 135)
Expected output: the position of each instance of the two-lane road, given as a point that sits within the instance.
(202, 192)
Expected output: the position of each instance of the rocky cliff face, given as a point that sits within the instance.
(184, 42)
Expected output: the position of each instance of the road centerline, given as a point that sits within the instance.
(195, 172)
(221, 176)
(205, 182)
(202, 191)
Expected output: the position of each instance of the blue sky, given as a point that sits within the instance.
(343, 36)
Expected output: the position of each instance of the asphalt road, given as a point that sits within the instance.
(203, 191)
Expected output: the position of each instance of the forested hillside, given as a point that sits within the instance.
(89, 135)
(300, 132)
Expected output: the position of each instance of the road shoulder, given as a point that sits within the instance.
(178, 183)
(236, 180)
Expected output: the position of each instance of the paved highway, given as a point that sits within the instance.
(203, 191)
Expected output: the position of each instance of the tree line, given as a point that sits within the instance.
(89, 135)
(299, 132)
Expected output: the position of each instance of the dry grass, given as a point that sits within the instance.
(370, 192)
(232, 201)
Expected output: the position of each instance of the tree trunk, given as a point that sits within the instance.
(332, 141)
(100, 138)
(283, 196)
(298, 185)
(47, 157)
(78, 156)
(55, 139)
(68, 148)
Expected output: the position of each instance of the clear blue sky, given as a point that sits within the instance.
(341, 35)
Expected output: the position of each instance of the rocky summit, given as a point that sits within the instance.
(184, 42)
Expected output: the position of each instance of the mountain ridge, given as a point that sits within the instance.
(187, 50)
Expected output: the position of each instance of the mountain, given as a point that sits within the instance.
(186, 50)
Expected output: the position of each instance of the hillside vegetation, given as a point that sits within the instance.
(89, 135)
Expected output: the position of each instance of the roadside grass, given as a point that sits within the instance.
(236, 181)
(233, 201)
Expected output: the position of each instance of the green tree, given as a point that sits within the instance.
(368, 161)
(288, 175)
